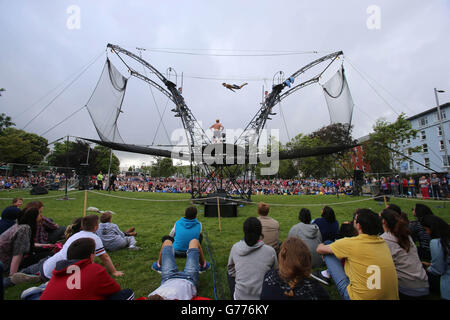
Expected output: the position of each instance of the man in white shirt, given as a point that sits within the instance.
(45, 267)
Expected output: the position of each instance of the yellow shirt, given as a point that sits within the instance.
(369, 267)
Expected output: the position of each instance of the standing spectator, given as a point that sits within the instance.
(328, 225)
(412, 278)
(436, 186)
(418, 233)
(310, 234)
(100, 181)
(369, 271)
(112, 238)
(292, 279)
(94, 283)
(112, 183)
(405, 187)
(412, 187)
(439, 269)
(424, 185)
(249, 261)
(270, 227)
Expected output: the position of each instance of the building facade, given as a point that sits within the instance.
(430, 140)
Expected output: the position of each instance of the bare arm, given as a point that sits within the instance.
(324, 249)
(15, 263)
(107, 262)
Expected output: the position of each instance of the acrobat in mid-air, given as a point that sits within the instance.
(233, 86)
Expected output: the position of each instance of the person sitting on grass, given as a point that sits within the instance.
(45, 267)
(47, 230)
(10, 214)
(309, 233)
(328, 225)
(270, 227)
(17, 246)
(438, 270)
(184, 230)
(412, 278)
(292, 279)
(249, 261)
(178, 285)
(418, 233)
(369, 271)
(112, 237)
(79, 278)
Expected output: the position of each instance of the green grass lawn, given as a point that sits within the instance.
(154, 215)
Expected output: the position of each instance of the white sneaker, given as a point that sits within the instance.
(20, 277)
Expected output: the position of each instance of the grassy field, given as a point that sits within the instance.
(154, 214)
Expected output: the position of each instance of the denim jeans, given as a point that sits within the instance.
(169, 268)
(336, 270)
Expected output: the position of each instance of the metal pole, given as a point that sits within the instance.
(446, 164)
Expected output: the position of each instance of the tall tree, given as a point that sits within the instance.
(163, 167)
(18, 146)
(5, 122)
(392, 135)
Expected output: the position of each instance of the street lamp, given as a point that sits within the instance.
(442, 127)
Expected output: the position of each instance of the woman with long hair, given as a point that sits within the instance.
(439, 269)
(17, 244)
(412, 278)
(292, 279)
(249, 261)
(418, 233)
(328, 225)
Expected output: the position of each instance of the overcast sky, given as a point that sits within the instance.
(395, 53)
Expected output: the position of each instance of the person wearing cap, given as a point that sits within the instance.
(9, 215)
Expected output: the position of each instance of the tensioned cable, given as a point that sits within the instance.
(48, 93)
(373, 88)
(387, 91)
(71, 115)
(63, 90)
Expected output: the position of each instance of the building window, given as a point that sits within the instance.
(411, 165)
(443, 115)
(424, 147)
(439, 131)
(423, 136)
(427, 162)
(409, 152)
(423, 121)
(441, 145)
(408, 141)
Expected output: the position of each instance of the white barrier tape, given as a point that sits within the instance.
(44, 197)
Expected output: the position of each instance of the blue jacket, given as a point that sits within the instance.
(185, 231)
(440, 266)
(329, 231)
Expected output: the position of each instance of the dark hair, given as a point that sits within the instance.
(15, 200)
(347, 230)
(369, 221)
(439, 230)
(73, 228)
(398, 227)
(29, 216)
(81, 249)
(190, 213)
(422, 211)
(89, 222)
(304, 216)
(252, 231)
(294, 262)
(395, 207)
(328, 214)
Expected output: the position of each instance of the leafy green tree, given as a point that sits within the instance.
(18, 146)
(391, 135)
(163, 167)
(5, 122)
